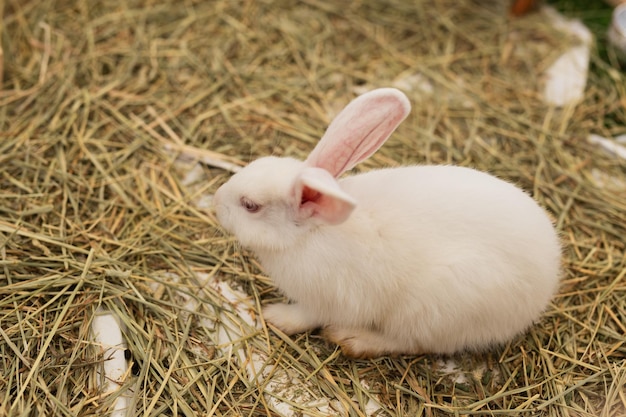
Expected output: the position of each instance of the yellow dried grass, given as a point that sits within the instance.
(95, 210)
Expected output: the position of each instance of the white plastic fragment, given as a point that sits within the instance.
(107, 334)
(372, 407)
(415, 82)
(612, 146)
(194, 174)
(205, 156)
(453, 370)
(204, 202)
(566, 78)
(605, 180)
(450, 368)
(617, 31)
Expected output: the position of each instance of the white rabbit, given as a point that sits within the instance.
(420, 259)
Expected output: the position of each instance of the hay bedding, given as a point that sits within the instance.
(100, 209)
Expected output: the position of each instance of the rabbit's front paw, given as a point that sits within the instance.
(364, 344)
(289, 318)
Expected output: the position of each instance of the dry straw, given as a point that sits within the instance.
(99, 98)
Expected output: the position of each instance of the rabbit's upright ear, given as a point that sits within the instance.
(317, 195)
(359, 130)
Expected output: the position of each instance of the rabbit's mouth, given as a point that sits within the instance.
(223, 217)
(222, 211)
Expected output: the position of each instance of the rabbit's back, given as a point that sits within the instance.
(442, 256)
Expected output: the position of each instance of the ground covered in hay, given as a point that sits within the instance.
(102, 209)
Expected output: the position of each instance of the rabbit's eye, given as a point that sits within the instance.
(249, 205)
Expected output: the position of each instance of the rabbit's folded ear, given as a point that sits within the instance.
(318, 195)
(359, 130)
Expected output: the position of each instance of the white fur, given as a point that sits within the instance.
(432, 259)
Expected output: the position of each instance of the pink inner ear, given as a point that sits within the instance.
(309, 194)
(359, 130)
(320, 197)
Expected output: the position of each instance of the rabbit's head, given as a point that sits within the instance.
(273, 202)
